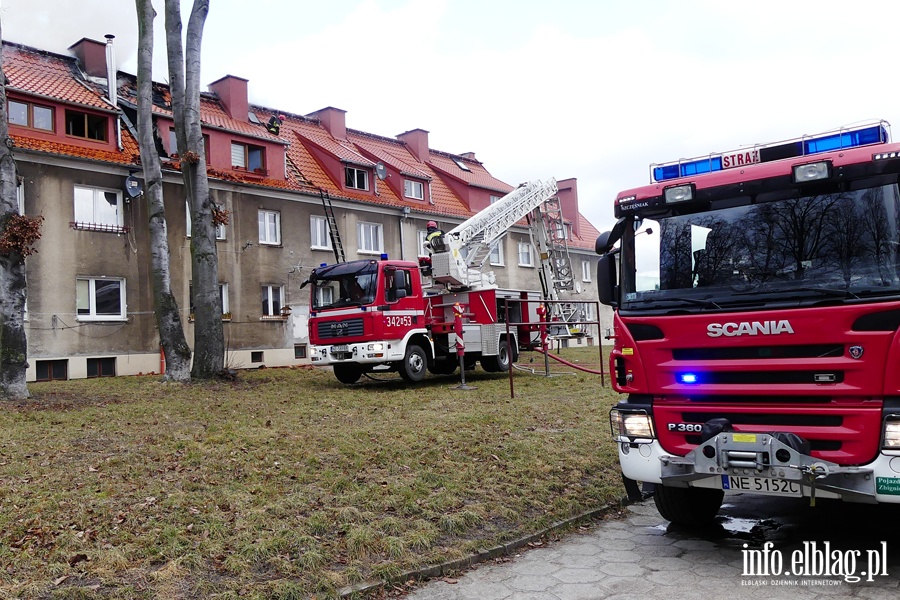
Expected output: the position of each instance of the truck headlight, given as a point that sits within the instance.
(376, 347)
(630, 425)
(891, 435)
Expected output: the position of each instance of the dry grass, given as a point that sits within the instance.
(285, 483)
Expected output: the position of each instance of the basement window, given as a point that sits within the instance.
(51, 370)
(101, 367)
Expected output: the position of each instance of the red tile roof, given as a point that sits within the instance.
(57, 77)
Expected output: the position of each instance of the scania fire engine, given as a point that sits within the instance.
(757, 307)
(375, 315)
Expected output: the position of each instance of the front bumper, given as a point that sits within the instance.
(762, 456)
(372, 353)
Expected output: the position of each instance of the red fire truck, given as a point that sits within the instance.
(387, 315)
(757, 308)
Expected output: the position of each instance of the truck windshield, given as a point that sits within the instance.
(838, 245)
(347, 284)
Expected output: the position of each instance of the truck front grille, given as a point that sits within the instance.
(339, 329)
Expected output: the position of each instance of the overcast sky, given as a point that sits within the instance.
(591, 89)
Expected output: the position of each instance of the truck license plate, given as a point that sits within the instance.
(760, 485)
(340, 348)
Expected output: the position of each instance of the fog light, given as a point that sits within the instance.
(891, 435)
(631, 425)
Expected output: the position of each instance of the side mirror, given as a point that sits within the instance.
(607, 239)
(607, 289)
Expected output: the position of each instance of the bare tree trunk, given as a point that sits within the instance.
(184, 81)
(13, 345)
(168, 319)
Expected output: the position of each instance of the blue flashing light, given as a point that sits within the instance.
(323, 265)
(864, 135)
(687, 378)
(384, 256)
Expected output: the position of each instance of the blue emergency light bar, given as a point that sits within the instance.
(838, 139)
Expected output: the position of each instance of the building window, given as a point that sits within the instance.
(173, 144)
(299, 351)
(84, 125)
(420, 238)
(272, 300)
(356, 178)
(98, 210)
(413, 189)
(99, 299)
(251, 158)
(461, 164)
(220, 229)
(269, 227)
(51, 370)
(318, 233)
(370, 240)
(31, 115)
(20, 196)
(324, 296)
(494, 199)
(525, 256)
(101, 367)
(586, 270)
(497, 253)
(256, 356)
(223, 300)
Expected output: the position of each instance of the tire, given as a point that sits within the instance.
(414, 365)
(691, 507)
(444, 367)
(499, 363)
(348, 372)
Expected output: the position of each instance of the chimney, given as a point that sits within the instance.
(334, 120)
(568, 201)
(111, 79)
(417, 142)
(92, 56)
(232, 91)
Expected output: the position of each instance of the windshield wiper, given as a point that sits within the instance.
(707, 303)
(846, 293)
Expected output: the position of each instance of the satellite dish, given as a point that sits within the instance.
(133, 187)
(380, 171)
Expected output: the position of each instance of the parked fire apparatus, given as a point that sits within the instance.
(385, 314)
(757, 307)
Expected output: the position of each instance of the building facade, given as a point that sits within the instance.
(275, 174)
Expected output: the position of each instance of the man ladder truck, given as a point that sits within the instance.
(385, 315)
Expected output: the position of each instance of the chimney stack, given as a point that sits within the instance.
(334, 120)
(232, 91)
(417, 142)
(92, 56)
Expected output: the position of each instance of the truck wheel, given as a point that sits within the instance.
(348, 373)
(414, 364)
(499, 363)
(691, 507)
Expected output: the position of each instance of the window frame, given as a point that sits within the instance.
(94, 224)
(88, 125)
(223, 300)
(316, 233)
(221, 233)
(267, 309)
(262, 219)
(498, 249)
(248, 150)
(29, 115)
(421, 236)
(586, 271)
(378, 229)
(354, 184)
(409, 185)
(92, 300)
(530, 250)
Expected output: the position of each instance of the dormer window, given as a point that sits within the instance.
(358, 179)
(87, 126)
(30, 115)
(251, 158)
(413, 189)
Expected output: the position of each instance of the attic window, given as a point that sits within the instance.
(413, 189)
(84, 125)
(30, 115)
(461, 164)
(251, 158)
(357, 179)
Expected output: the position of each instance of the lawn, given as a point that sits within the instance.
(285, 483)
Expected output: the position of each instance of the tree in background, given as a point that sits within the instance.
(184, 83)
(168, 319)
(17, 236)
